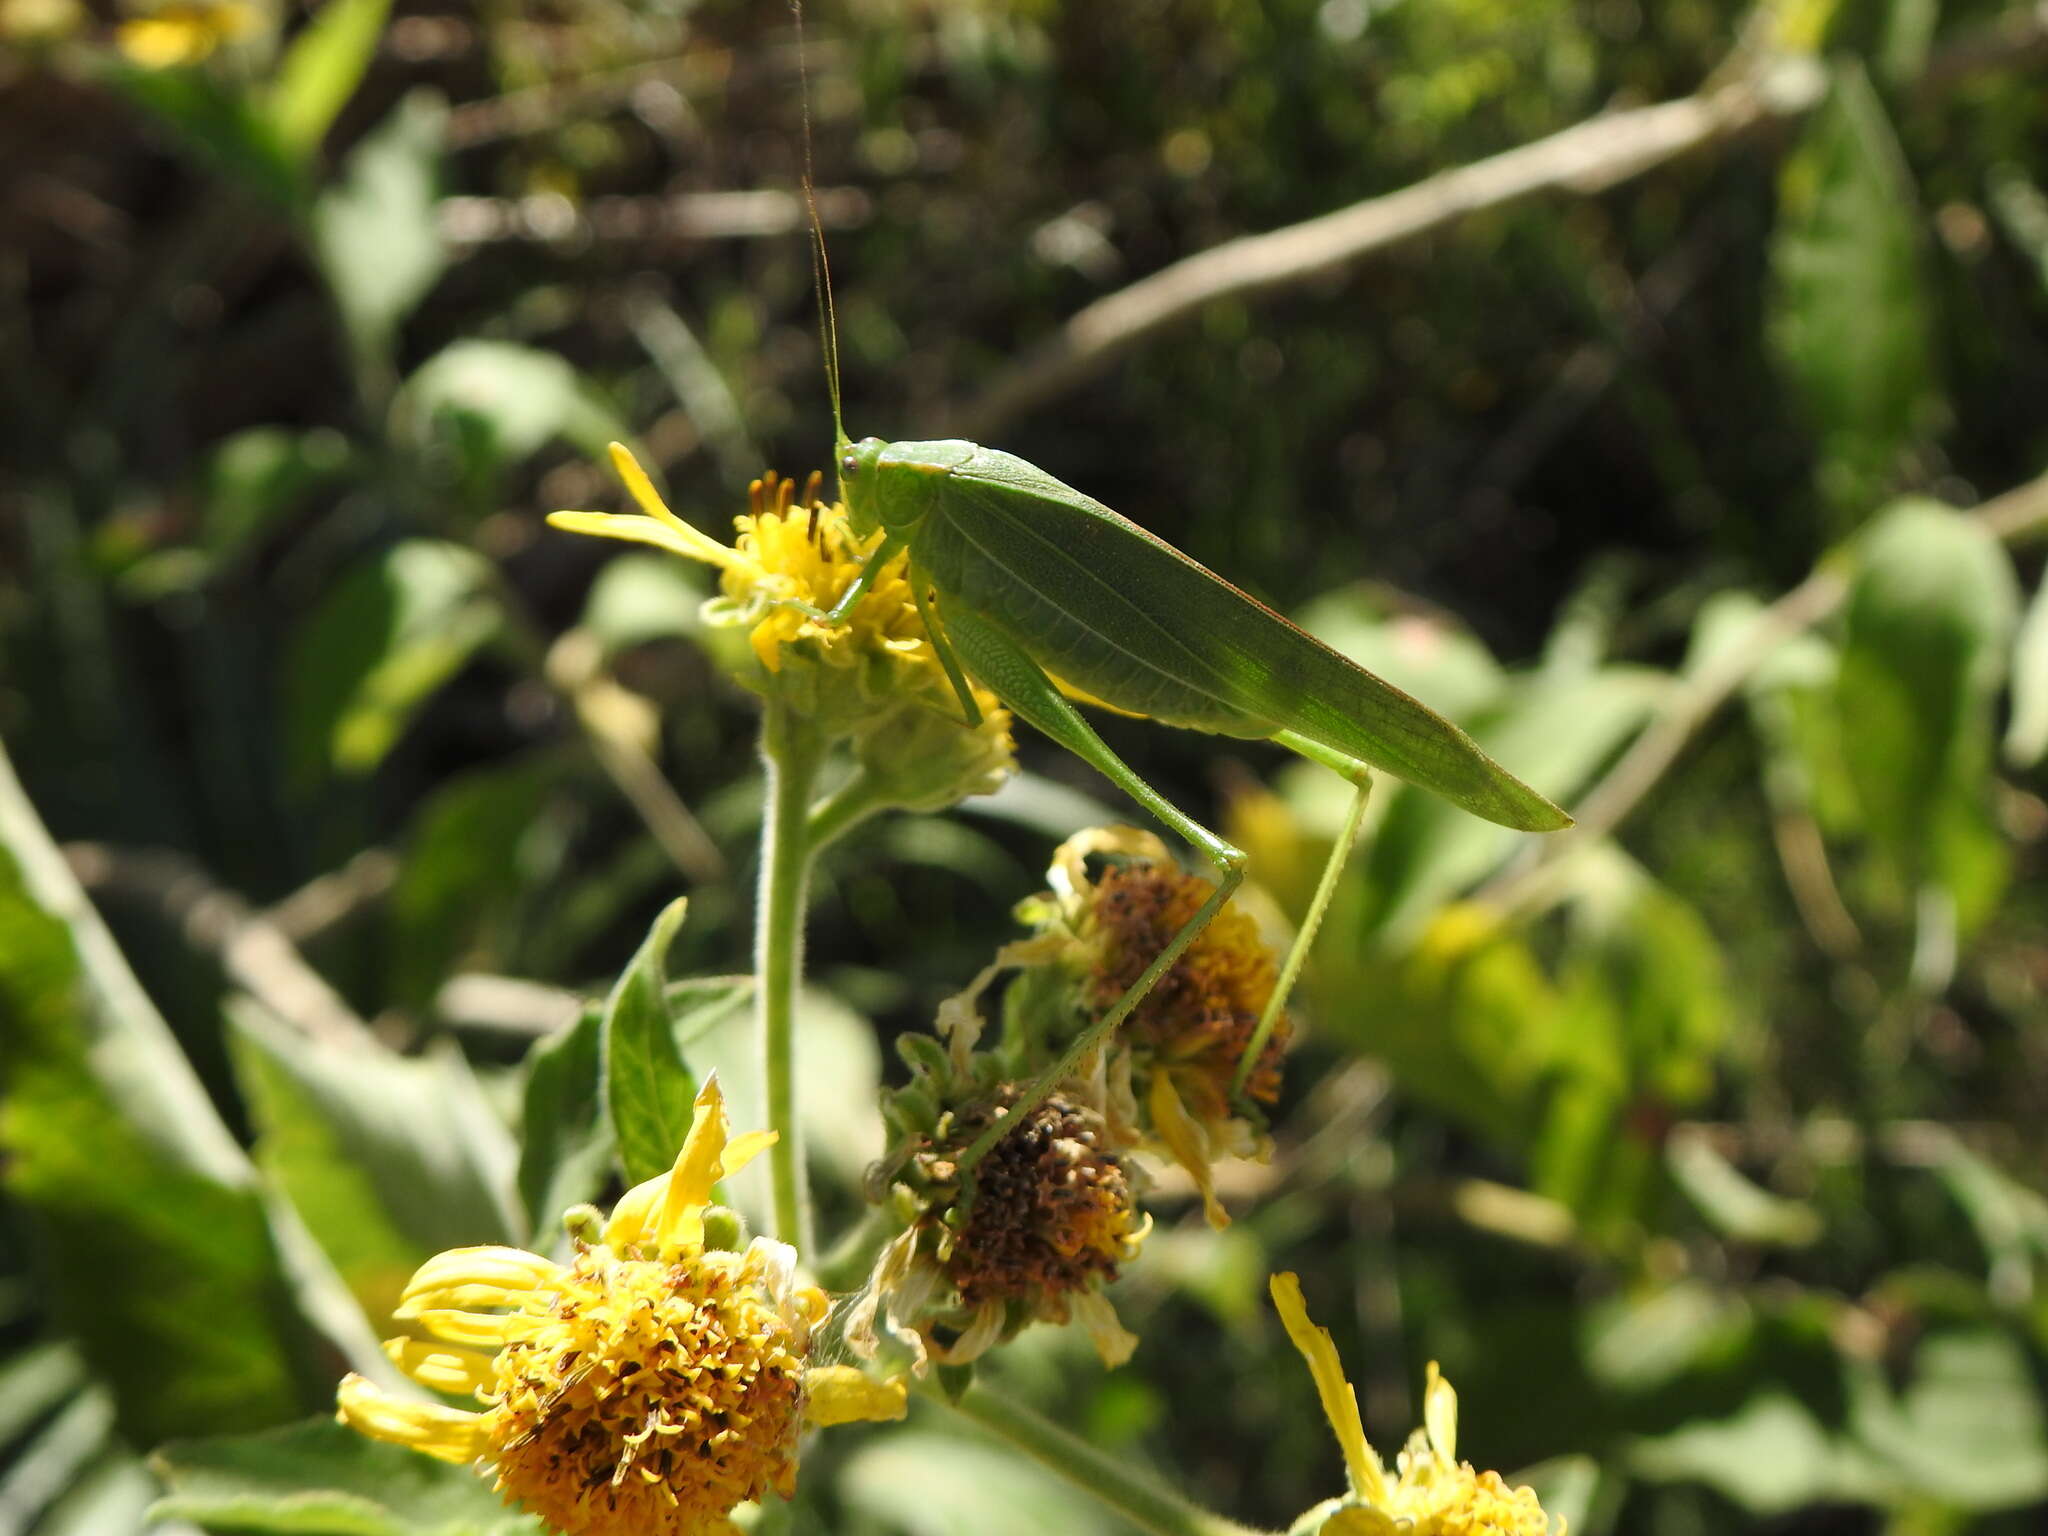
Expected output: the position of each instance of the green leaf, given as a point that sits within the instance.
(224, 125)
(477, 850)
(56, 1458)
(513, 398)
(322, 69)
(167, 1280)
(319, 1478)
(1736, 1206)
(926, 1484)
(1556, 729)
(1930, 614)
(637, 598)
(374, 230)
(838, 1075)
(1967, 1429)
(258, 477)
(647, 1089)
(393, 630)
(2026, 733)
(1850, 320)
(1771, 1455)
(566, 1145)
(389, 1159)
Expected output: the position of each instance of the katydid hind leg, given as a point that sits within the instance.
(943, 648)
(1319, 903)
(1022, 684)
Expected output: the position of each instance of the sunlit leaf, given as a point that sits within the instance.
(637, 598)
(1556, 729)
(321, 69)
(388, 1158)
(1849, 312)
(926, 1484)
(1737, 1206)
(374, 230)
(392, 631)
(1967, 1428)
(503, 400)
(167, 1280)
(565, 1141)
(320, 1478)
(647, 1089)
(1769, 1456)
(2026, 733)
(1930, 616)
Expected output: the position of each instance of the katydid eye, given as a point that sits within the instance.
(849, 464)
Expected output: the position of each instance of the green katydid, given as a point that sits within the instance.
(1021, 580)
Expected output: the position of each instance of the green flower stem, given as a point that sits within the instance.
(1130, 1493)
(790, 752)
(846, 1267)
(845, 808)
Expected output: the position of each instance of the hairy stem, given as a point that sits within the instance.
(1114, 1481)
(790, 754)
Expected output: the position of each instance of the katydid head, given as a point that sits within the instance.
(859, 483)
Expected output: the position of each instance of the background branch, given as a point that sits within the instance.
(1588, 157)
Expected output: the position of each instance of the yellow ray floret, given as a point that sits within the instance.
(1434, 1494)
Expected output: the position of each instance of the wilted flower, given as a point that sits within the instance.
(876, 678)
(648, 1386)
(1044, 1222)
(1433, 1493)
(1165, 1082)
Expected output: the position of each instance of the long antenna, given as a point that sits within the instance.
(821, 265)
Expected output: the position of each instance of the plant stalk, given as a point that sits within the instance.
(1147, 1504)
(790, 755)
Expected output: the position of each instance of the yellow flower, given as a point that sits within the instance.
(1433, 1493)
(876, 678)
(648, 1386)
(184, 32)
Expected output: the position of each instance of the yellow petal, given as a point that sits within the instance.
(492, 1264)
(742, 1150)
(1340, 1403)
(1440, 1415)
(840, 1394)
(442, 1367)
(643, 492)
(448, 1433)
(679, 539)
(472, 1330)
(681, 1222)
(632, 1220)
(1185, 1140)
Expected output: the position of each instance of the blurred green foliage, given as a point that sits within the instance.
(1708, 1162)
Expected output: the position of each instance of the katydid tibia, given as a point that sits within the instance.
(1023, 580)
